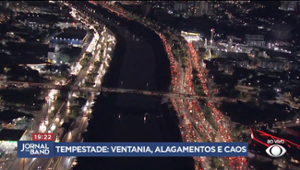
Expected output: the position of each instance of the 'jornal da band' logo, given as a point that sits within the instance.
(36, 148)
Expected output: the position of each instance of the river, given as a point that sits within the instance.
(120, 117)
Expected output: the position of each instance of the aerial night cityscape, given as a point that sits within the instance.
(151, 71)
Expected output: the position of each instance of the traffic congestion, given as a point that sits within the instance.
(238, 162)
(194, 126)
(187, 128)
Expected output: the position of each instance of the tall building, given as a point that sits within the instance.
(18, 5)
(199, 8)
(288, 5)
(254, 40)
(4, 4)
(194, 8)
(181, 6)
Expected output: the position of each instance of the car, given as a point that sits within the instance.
(39, 168)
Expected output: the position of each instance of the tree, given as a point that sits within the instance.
(21, 78)
(83, 62)
(64, 57)
(71, 118)
(216, 162)
(195, 72)
(75, 109)
(64, 69)
(267, 95)
(88, 84)
(213, 136)
(97, 63)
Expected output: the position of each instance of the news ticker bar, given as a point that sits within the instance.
(49, 149)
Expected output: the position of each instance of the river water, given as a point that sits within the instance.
(120, 117)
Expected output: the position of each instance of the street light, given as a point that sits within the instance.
(212, 35)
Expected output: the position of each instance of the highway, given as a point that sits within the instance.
(177, 83)
(63, 163)
(20, 163)
(56, 121)
(222, 123)
(192, 133)
(146, 93)
(188, 107)
(42, 117)
(70, 136)
(80, 124)
(39, 117)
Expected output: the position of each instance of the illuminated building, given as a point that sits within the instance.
(199, 8)
(194, 8)
(70, 36)
(66, 23)
(10, 137)
(180, 6)
(189, 36)
(254, 40)
(288, 5)
(17, 5)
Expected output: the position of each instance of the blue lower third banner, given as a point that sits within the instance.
(46, 149)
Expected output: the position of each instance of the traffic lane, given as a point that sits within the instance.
(185, 134)
(204, 163)
(39, 162)
(19, 164)
(71, 137)
(38, 119)
(90, 99)
(65, 162)
(121, 30)
(44, 110)
(181, 89)
(84, 71)
(46, 162)
(195, 55)
(41, 116)
(186, 110)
